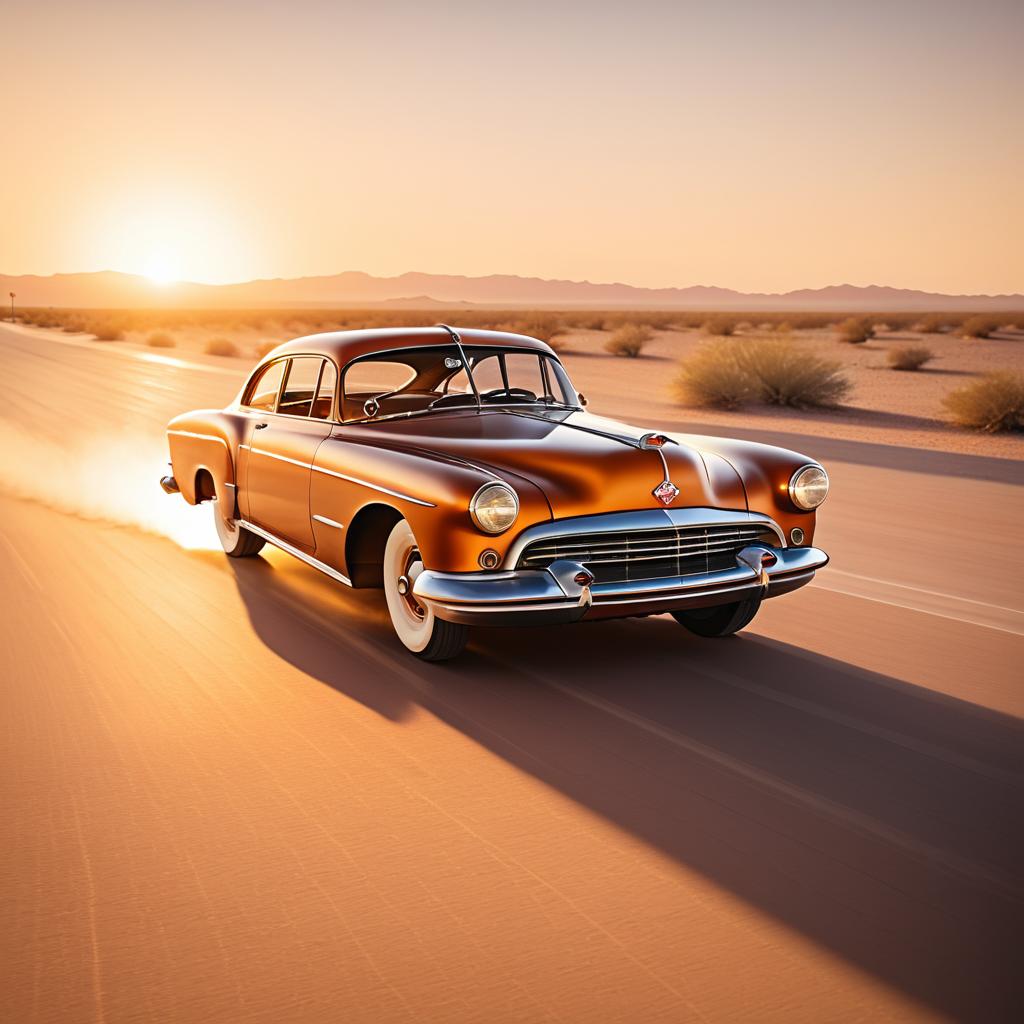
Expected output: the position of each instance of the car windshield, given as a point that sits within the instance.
(435, 378)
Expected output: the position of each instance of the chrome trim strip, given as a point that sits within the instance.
(201, 437)
(280, 458)
(245, 446)
(645, 519)
(289, 549)
(374, 487)
(343, 476)
(329, 522)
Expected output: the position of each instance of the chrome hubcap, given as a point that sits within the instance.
(413, 567)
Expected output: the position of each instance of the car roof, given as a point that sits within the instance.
(344, 346)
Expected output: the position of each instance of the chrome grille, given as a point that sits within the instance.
(650, 554)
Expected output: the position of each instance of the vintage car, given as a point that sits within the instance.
(459, 471)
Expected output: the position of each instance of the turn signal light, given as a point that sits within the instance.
(768, 558)
(583, 578)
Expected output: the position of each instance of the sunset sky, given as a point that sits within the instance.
(760, 146)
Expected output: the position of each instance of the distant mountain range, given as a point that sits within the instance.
(113, 290)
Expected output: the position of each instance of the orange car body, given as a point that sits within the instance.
(325, 486)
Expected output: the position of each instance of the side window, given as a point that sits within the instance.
(263, 391)
(300, 386)
(325, 395)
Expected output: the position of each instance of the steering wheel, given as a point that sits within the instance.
(523, 393)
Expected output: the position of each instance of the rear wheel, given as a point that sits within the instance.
(237, 541)
(424, 634)
(720, 620)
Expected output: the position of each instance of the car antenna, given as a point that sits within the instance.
(465, 362)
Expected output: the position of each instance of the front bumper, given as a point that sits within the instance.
(541, 596)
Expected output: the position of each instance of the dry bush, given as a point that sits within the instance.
(713, 377)
(934, 323)
(992, 403)
(979, 326)
(720, 326)
(727, 375)
(220, 347)
(587, 321)
(856, 330)
(106, 330)
(263, 347)
(628, 341)
(543, 326)
(909, 357)
(161, 339)
(786, 374)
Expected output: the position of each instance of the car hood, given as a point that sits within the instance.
(583, 464)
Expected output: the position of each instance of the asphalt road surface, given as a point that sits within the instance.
(227, 794)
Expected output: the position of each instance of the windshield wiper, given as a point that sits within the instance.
(465, 362)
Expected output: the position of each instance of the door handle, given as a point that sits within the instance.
(260, 426)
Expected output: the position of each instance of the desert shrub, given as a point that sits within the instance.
(657, 321)
(992, 403)
(784, 327)
(720, 326)
(856, 330)
(713, 377)
(221, 347)
(727, 375)
(106, 330)
(628, 341)
(910, 357)
(934, 323)
(161, 339)
(785, 374)
(263, 347)
(979, 327)
(589, 321)
(543, 326)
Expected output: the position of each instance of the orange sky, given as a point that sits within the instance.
(760, 146)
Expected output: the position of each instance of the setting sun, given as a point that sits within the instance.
(163, 268)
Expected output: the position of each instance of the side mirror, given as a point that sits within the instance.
(583, 399)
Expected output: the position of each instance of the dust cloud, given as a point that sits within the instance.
(106, 479)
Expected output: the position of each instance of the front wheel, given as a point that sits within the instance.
(719, 620)
(236, 540)
(427, 636)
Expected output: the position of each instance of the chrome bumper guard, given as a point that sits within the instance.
(539, 596)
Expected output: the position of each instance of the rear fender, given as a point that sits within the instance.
(205, 440)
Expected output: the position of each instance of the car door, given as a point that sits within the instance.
(282, 444)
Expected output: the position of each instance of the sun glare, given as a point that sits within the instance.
(168, 235)
(161, 269)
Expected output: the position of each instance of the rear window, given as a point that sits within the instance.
(300, 386)
(263, 391)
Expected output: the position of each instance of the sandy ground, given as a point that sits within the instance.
(226, 794)
(885, 406)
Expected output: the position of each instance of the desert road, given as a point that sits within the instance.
(228, 795)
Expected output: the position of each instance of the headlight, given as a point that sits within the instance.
(808, 487)
(494, 507)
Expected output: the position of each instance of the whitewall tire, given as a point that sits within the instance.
(417, 626)
(236, 540)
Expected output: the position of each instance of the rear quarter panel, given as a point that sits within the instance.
(206, 439)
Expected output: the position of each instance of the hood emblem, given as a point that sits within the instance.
(666, 492)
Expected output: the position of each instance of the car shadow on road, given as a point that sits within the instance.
(878, 818)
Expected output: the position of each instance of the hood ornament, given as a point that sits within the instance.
(666, 492)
